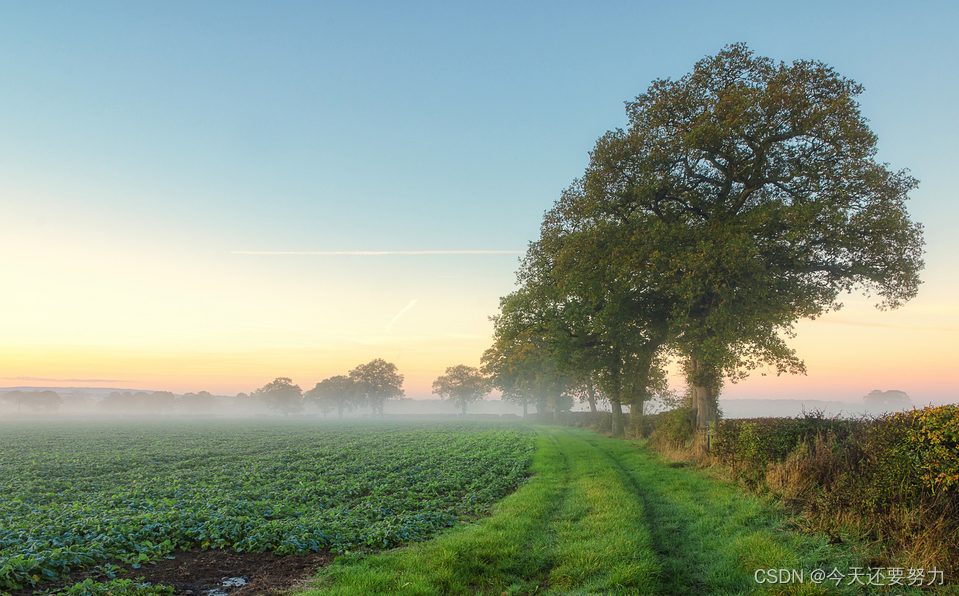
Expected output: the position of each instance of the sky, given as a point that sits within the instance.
(210, 195)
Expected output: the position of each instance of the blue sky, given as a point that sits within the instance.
(145, 148)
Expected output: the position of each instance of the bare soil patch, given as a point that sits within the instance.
(203, 573)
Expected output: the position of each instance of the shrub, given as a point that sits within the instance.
(677, 426)
(934, 438)
(895, 479)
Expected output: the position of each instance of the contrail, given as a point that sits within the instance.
(377, 253)
(400, 314)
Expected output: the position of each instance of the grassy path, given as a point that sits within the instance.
(599, 516)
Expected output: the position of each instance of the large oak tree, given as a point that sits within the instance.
(742, 197)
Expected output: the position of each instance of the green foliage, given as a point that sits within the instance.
(375, 382)
(599, 516)
(281, 394)
(77, 496)
(751, 446)
(462, 385)
(934, 438)
(520, 362)
(603, 423)
(893, 478)
(677, 426)
(743, 197)
(115, 587)
(338, 392)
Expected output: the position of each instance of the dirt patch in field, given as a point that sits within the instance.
(211, 573)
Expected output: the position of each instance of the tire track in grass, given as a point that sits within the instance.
(678, 551)
(704, 532)
(531, 565)
(605, 545)
(599, 516)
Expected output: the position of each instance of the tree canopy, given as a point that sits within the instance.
(462, 385)
(338, 392)
(741, 198)
(377, 381)
(520, 362)
(281, 394)
(202, 401)
(47, 401)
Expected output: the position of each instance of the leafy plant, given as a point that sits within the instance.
(80, 496)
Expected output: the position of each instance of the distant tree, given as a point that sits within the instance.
(282, 395)
(582, 314)
(119, 402)
(159, 401)
(887, 400)
(514, 363)
(602, 312)
(141, 400)
(42, 401)
(196, 403)
(462, 385)
(376, 382)
(336, 393)
(77, 400)
(47, 401)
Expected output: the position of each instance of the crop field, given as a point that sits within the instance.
(77, 495)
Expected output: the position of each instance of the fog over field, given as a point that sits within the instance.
(110, 403)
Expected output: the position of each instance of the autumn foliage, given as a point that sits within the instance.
(892, 480)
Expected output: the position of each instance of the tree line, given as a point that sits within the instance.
(743, 197)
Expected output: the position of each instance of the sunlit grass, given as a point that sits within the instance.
(601, 516)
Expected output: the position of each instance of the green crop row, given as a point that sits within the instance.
(76, 495)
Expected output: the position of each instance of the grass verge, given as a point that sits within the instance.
(602, 516)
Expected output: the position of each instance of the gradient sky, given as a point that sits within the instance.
(192, 193)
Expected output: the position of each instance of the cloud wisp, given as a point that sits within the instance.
(400, 314)
(379, 253)
(64, 380)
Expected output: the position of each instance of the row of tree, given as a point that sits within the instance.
(141, 402)
(367, 385)
(36, 401)
(742, 198)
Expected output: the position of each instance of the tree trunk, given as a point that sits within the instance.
(635, 419)
(541, 405)
(591, 397)
(618, 426)
(705, 385)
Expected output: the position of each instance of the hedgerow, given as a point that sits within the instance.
(892, 479)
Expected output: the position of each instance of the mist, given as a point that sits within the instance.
(56, 403)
